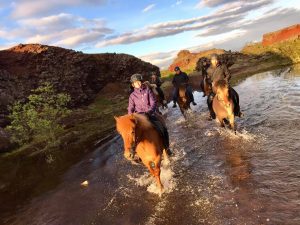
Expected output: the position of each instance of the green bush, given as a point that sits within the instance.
(39, 117)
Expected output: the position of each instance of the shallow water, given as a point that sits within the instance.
(214, 177)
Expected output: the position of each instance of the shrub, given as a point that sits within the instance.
(39, 117)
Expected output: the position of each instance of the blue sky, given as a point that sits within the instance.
(152, 30)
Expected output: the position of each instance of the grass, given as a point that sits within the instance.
(90, 123)
(289, 49)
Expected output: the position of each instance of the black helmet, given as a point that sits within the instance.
(136, 77)
(176, 68)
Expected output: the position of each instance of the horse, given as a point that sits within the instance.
(183, 99)
(206, 86)
(159, 100)
(223, 105)
(137, 132)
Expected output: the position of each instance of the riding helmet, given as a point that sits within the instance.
(136, 77)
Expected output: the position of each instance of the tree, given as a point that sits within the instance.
(39, 117)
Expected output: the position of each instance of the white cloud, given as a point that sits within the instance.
(215, 3)
(65, 30)
(28, 8)
(178, 2)
(229, 13)
(6, 46)
(148, 8)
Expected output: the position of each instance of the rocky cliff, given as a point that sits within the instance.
(281, 35)
(24, 67)
(187, 60)
(282, 44)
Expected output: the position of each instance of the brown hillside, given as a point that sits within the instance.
(281, 35)
(187, 60)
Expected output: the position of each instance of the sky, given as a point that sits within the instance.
(153, 30)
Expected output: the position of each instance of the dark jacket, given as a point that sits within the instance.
(220, 72)
(142, 100)
(180, 78)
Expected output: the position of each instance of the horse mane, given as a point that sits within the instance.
(222, 84)
(127, 121)
(142, 121)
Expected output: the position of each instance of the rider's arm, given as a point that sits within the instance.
(226, 73)
(186, 78)
(131, 105)
(152, 102)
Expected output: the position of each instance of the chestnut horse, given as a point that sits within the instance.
(137, 132)
(223, 105)
(183, 99)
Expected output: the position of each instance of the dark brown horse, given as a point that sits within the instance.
(223, 105)
(183, 99)
(160, 102)
(206, 86)
(137, 132)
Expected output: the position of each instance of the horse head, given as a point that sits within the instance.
(126, 127)
(182, 93)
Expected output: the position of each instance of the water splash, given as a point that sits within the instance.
(166, 176)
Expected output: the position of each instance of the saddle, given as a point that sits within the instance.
(161, 129)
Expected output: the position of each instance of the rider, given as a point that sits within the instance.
(178, 79)
(157, 81)
(217, 71)
(142, 100)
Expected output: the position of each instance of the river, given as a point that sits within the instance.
(214, 177)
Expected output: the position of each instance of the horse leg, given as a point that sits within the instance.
(231, 122)
(210, 99)
(154, 168)
(166, 157)
(221, 121)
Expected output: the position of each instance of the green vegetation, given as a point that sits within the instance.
(289, 49)
(78, 131)
(39, 117)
